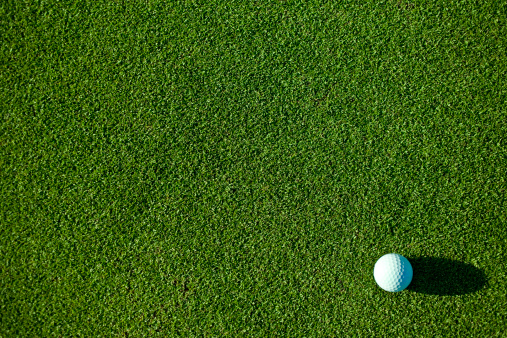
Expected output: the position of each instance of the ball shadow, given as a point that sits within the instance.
(445, 277)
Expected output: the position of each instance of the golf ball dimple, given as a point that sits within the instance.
(393, 272)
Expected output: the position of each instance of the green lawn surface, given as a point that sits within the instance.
(235, 168)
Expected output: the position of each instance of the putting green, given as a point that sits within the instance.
(221, 168)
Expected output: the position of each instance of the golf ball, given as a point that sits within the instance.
(393, 272)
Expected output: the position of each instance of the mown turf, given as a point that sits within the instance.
(223, 168)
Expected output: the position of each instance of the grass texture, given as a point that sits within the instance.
(235, 168)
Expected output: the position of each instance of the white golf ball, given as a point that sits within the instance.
(393, 272)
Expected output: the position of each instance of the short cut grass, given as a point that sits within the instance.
(235, 168)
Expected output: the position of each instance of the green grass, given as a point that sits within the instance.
(223, 168)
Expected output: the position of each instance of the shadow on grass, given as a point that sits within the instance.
(445, 277)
